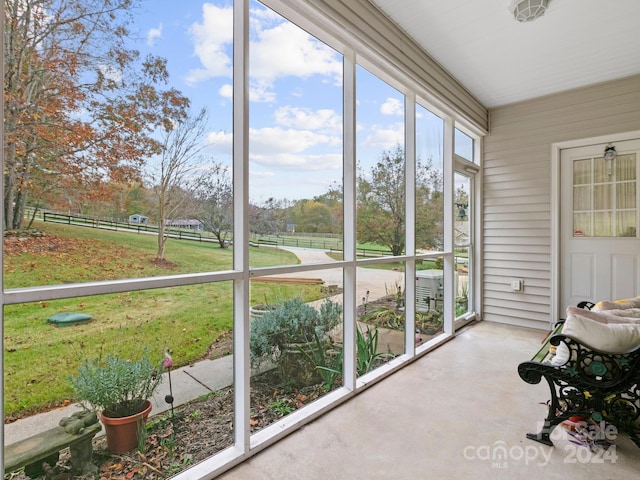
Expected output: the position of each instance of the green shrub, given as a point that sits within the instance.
(293, 322)
(115, 386)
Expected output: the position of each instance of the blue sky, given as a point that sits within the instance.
(295, 90)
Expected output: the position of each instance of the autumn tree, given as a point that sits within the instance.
(381, 198)
(174, 177)
(214, 193)
(311, 216)
(80, 106)
(333, 200)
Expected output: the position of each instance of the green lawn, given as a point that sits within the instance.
(39, 357)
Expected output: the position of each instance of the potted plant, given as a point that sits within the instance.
(119, 389)
(280, 336)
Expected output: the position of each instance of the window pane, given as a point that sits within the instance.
(430, 283)
(582, 172)
(626, 195)
(462, 281)
(626, 167)
(582, 198)
(127, 197)
(606, 206)
(295, 144)
(626, 224)
(381, 167)
(463, 145)
(602, 170)
(602, 197)
(295, 342)
(195, 323)
(603, 224)
(582, 225)
(381, 314)
(429, 181)
(462, 239)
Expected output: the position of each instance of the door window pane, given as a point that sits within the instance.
(462, 242)
(604, 196)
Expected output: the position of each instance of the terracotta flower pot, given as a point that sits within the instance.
(122, 433)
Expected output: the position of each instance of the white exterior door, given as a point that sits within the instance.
(599, 240)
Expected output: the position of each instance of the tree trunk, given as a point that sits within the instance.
(161, 240)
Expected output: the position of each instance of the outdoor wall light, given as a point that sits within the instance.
(610, 152)
(610, 155)
(527, 10)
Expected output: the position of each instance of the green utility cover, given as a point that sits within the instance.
(66, 319)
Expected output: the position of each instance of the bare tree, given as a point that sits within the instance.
(215, 197)
(268, 217)
(175, 180)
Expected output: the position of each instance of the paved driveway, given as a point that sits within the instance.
(377, 282)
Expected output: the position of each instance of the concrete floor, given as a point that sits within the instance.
(449, 415)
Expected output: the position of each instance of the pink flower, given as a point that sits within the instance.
(168, 361)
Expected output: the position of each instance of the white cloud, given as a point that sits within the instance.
(110, 73)
(261, 92)
(210, 39)
(325, 120)
(257, 93)
(220, 142)
(226, 91)
(255, 174)
(280, 147)
(392, 106)
(385, 137)
(288, 50)
(275, 140)
(278, 49)
(154, 34)
(287, 161)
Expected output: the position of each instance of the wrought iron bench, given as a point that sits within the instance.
(591, 384)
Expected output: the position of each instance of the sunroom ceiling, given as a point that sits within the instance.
(502, 61)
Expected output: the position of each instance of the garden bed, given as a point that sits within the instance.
(199, 430)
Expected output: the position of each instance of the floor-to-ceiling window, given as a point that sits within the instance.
(294, 214)
(465, 221)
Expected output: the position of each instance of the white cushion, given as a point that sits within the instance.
(618, 304)
(598, 331)
(629, 315)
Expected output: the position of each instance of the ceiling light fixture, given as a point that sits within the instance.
(527, 10)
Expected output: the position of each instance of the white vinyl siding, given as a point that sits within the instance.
(517, 190)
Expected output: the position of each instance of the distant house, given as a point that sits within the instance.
(138, 219)
(190, 223)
